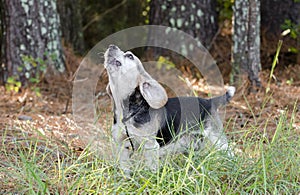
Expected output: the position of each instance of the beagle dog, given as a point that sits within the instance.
(145, 119)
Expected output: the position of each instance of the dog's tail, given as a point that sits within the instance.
(224, 99)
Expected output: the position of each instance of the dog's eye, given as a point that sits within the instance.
(118, 63)
(130, 56)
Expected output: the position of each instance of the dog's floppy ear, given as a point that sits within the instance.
(154, 93)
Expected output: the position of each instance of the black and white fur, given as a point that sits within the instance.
(145, 118)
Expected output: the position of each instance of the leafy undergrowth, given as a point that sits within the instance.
(42, 150)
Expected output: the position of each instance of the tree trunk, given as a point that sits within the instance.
(32, 38)
(254, 64)
(197, 18)
(2, 28)
(246, 42)
(70, 17)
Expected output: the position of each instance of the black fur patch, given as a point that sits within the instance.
(136, 107)
(196, 110)
(115, 115)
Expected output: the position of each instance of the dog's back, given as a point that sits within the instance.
(189, 114)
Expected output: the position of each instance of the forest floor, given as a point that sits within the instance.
(24, 115)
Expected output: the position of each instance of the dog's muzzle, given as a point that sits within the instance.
(111, 56)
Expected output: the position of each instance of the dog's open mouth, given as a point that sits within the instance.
(111, 62)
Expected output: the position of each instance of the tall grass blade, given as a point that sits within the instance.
(275, 61)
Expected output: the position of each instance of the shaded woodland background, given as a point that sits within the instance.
(73, 27)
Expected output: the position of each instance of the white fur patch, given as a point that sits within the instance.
(231, 91)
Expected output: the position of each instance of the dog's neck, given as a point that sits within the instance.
(121, 101)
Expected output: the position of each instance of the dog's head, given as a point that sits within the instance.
(126, 74)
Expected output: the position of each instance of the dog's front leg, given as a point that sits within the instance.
(148, 146)
(121, 150)
(124, 157)
(151, 154)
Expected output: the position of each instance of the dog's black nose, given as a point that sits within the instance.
(113, 47)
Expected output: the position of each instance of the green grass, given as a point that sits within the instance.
(265, 164)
